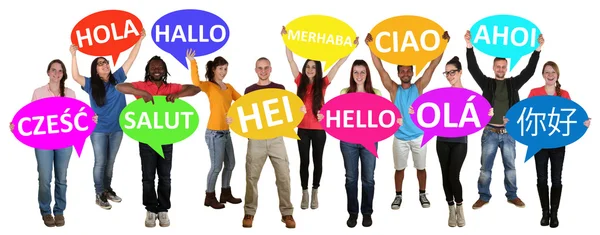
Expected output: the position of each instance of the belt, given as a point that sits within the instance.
(496, 129)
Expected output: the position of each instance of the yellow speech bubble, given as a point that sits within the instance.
(266, 114)
(320, 37)
(408, 40)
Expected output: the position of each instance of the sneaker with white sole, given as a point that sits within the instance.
(111, 195)
(163, 219)
(150, 221)
(424, 201)
(397, 202)
(102, 202)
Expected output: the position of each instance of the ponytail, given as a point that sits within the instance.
(210, 74)
(557, 88)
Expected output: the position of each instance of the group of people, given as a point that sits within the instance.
(107, 92)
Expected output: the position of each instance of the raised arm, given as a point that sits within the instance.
(334, 69)
(74, 68)
(424, 80)
(190, 53)
(134, 52)
(290, 57)
(386, 80)
(472, 65)
(529, 70)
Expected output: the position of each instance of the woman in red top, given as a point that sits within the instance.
(556, 156)
(311, 89)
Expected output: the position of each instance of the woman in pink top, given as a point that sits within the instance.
(311, 89)
(59, 158)
(556, 156)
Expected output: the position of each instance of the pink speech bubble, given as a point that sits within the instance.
(54, 123)
(360, 118)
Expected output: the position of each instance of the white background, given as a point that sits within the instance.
(35, 33)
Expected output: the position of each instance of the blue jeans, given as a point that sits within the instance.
(352, 153)
(106, 146)
(221, 152)
(59, 159)
(490, 142)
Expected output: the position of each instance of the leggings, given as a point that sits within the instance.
(317, 138)
(556, 156)
(451, 156)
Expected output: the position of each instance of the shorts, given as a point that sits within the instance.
(401, 150)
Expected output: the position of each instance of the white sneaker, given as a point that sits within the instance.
(163, 219)
(452, 216)
(150, 219)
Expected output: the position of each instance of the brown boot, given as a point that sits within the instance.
(59, 220)
(49, 220)
(289, 221)
(211, 200)
(227, 197)
(247, 222)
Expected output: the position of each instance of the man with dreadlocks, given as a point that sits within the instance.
(155, 83)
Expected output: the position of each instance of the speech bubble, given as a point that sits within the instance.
(505, 36)
(408, 40)
(320, 37)
(450, 112)
(545, 122)
(266, 113)
(199, 30)
(108, 32)
(360, 118)
(159, 123)
(54, 123)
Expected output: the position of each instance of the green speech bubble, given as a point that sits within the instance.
(159, 123)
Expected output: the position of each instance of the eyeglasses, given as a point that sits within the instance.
(451, 72)
(102, 62)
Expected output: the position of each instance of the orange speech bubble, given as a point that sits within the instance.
(107, 32)
(408, 40)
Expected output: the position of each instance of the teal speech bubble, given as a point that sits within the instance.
(506, 36)
(159, 123)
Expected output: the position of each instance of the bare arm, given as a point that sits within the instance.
(188, 90)
(424, 80)
(334, 69)
(74, 68)
(290, 57)
(134, 52)
(386, 80)
(129, 89)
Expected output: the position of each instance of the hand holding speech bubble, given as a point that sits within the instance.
(319, 37)
(408, 40)
(266, 114)
(505, 36)
(54, 123)
(159, 123)
(180, 30)
(545, 122)
(107, 32)
(464, 112)
(360, 118)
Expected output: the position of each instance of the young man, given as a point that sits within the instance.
(155, 83)
(502, 93)
(408, 137)
(257, 154)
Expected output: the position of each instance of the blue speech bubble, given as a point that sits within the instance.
(506, 36)
(199, 30)
(545, 122)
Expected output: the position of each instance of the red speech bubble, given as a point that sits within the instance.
(107, 32)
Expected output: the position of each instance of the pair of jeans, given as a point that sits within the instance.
(46, 160)
(106, 146)
(221, 153)
(153, 164)
(352, 154)
(490, 142)
(317, 139)
(556, 156)
(451, 156)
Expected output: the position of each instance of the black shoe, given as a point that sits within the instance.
(545, 202)
(554, 203)
(351, 222)
(367, 221)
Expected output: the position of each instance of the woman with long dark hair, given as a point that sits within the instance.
(311, 89)
(218, 135)
(353, 154)
(107, 102)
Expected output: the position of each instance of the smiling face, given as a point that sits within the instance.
(550, 75)
(405, 73)
(452, 74)
(220, 72)
(311, 69)
(500, 67)
(157, 70)
(359, 74)
(103, 67)
(263, 69)
(55, 73)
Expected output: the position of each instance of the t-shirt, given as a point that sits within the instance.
(108, 114)
(45, 92)
(150, 87)
(220, 100)
(541, 91)
(255, 87)
(501, 102)
(310, 120)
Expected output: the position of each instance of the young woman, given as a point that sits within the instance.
(555, 156)
(360, 81)
(218, 137)
(311, 89)
(49, 159)
(108, 103)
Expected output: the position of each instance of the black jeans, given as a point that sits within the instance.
(317, 138)
(153, 163)
(557, 158)
(451, 156)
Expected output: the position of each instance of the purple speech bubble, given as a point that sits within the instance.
(450, 112)
(54, 123)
